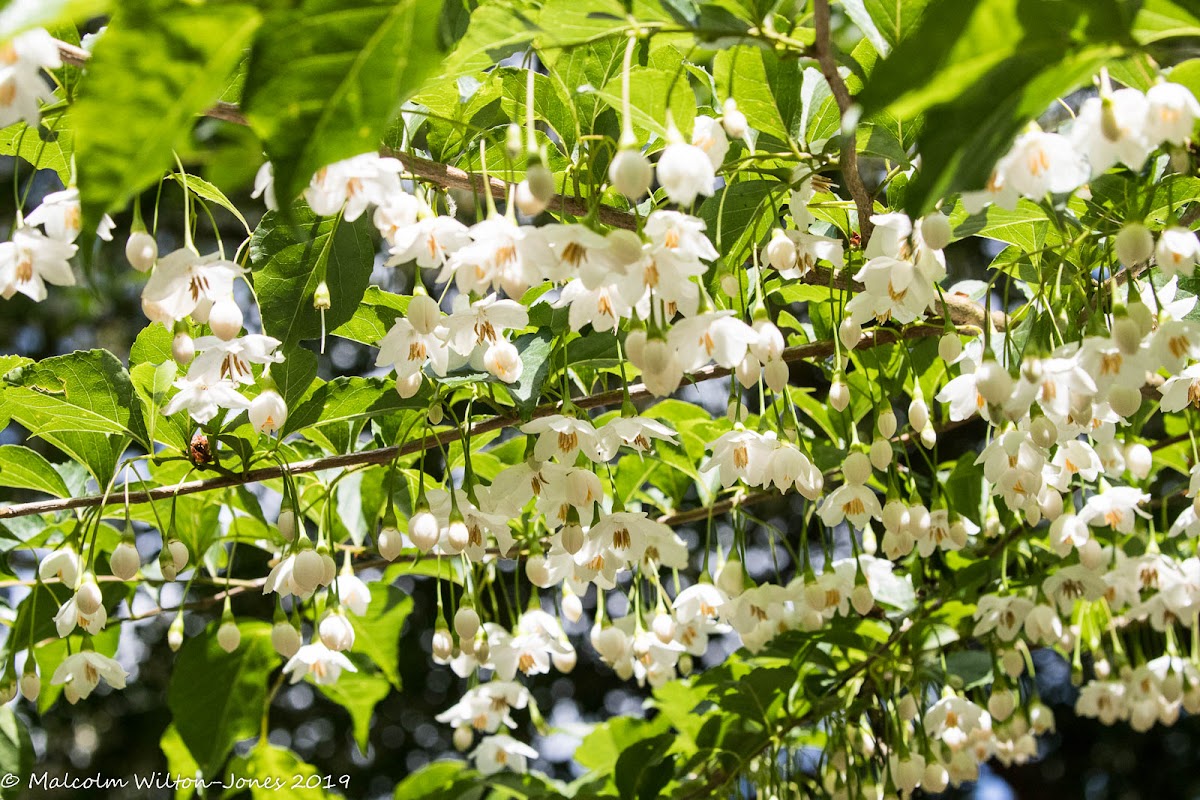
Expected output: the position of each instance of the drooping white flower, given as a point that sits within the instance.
(71, 615)
(204, 399)
(430, 242)
(562, 437)
(22, 85)
(714, 336)
(268, 412)
(1178, 251)
(502, 255)
(264, 186)
(1110, 130)
(1043, 163)
(30, 261)
(741, 455)
(482, 322)
(1172, 113)
(407, 351)
(317, 661)
(635, 432)
(685, 172)
(353, 185)
(709, 136)
(499, 752)
(576, 250)
(80, 673)
(1116, 507)
(218, 359)
(352, 593)
(61, 564)
(1182, 390)
(184, 279)
(602, 307)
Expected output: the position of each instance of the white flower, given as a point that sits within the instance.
(1112, 129)
(1043, 163)
(1182, 390)
(352, 185)
(504, 362)
(407, 351)
(853, 502)
(717, 336)
(59, 214)
(685, 171)
(264, 186)
(709, 136)
(30, 261)
(397, 213)
(219, 359)
(70, 615)
(80, 674)
(635, 432)
(953, 719)
(318, 661)
(499, 752)
(602, 307)
(741, 454)
(1003, 614)
(430, 242)
(181, 280)
(62, 564)
(1172, 113)
(22, 85)
(562, 437)
(657, 361)
(576, 249)
(204, 399)
(806, 250)
(482, 322)
(1177, 251)
(268, 412)
(502, 255)
(1116, 507)
(352, 593)
(486, 707)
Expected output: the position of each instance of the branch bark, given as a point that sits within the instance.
(823, 48)
(384, 455)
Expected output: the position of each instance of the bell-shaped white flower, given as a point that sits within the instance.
(320, 663)
(1172, 113)
(499, 752)
(1043, 163)
(685, 172)
(80, 673)
(30, 261)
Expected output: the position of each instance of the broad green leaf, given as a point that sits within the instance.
(373, 317)
(81, 403)
(154, 70)
(764, 85)
(206, 191)
(979, 70)
(1164, 19)
(651, 93)
(217, 698)
(49, 145)
(179, 761)
(327, 77)
(22, 468)
(739, 216)
(289, 262)
(377, 635)
(892, 19)
(19, 16)
(16, 752)
(268, 771)
(441, 780)
(358, 693)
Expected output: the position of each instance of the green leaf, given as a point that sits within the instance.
(739, 216)
(441, 780)
(649, 91)
(19, 16)
(327, 77)
(49, 145)
(1164, 19)
(358, 693)
(269, 771)
(979, 70)
(179, 761)
(81, 403)
(154, 70)
(373, 317)
(22, 468)
(16, 752)
(891, 19)
(377, 635)
(206, 191)
(217, 698)
(764, 86)
(289, 262)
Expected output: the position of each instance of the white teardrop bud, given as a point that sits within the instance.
(141, 250)
(850, 333)
(540, 181)
(1044, 432)
(336, 632)
(463, 737)
(881, 454)
(287, 524)
(225, 319)
(572, 607)
(571, 537)
(839, 395)
(564, 662)
(886, 423)
(862, 599)
(1001, 704)
(179, 554)
(733, 120)
(466, 622)
(285, 639)
(87, 597)
(936, 230)
(443, 645)
(268, 412)
(631, 173)
(780, 251)
(664, 627)
(183, 349)
(993, 382)
(1139, 461)
(307, 571)
(424, 531)
(949, 347)
(1127, 334)
(918, 414)
(175, 634)
(457, 536)
(1134, 244)
(31, 686)
(731, 578)
(125, 561)
(857, 467)
(228, 636)
(408, 387)
(423, 314)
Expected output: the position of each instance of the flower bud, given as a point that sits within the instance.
(307, 571)
(87, 597)
(225, 319)
(663, 627)
(424, 530)
(1139, 461)
(564, 662)
(175, 634)
(322, 300)
(936, 778)
(458, 536)
(862, 599)
(1125, 400)
(463, 737)
(571, 538)
(572, 606)
(183, 349)
(918, 414)
(949, 347)
(733, 120)
(287, 523)
(839, 395)
(443, 645)
(731, 578)
(179, 554)
(466, 622)
(780, 252)
(31, 686)
(389, 543)
(850, 333)
(408, 387)
(936, 230)
(336, 632)
(857, 467)
(886, 423)
(630, 173)
(881, 454)
(228, 636)
(537, 572)
(141, 250)
(993, 382)
(423, 313)
(285, 638)
(125, 561)
(503, 361)
(1001, 704)
(1134, 244)
(1127, 335)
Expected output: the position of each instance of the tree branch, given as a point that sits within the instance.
(384, 455)
(841, 94)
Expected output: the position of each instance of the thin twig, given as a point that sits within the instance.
(841, 94)
(384, 455)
